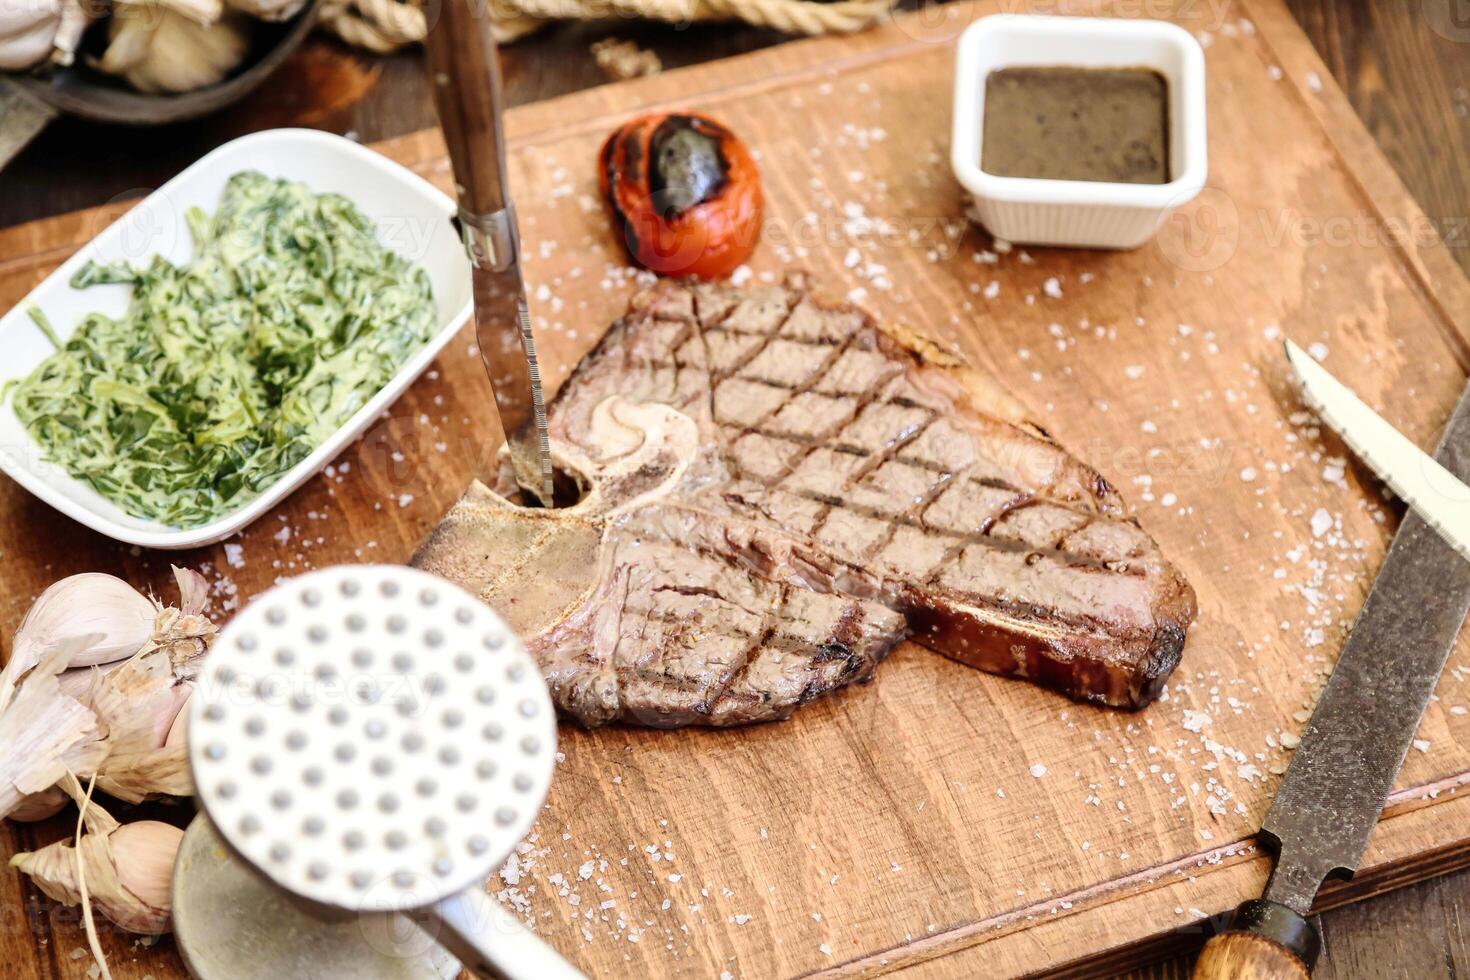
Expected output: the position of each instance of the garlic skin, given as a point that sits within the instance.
(165, 51)
(115, 618)
(40, 806)
(44, 734)
(128, 868)
(178, 732)
(138, 704)
(78, 682)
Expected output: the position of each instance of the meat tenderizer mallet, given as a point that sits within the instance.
(373, 739)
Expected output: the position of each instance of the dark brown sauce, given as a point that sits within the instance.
(1060, 123)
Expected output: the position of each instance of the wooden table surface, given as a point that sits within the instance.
(1406, 68)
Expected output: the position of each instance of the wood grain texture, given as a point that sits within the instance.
(900, 826)
(1406, 70)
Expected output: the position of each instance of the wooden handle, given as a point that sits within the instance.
(464, 74)
(1265, 941)
(1245, 956)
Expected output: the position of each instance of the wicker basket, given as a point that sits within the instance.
(385, 25)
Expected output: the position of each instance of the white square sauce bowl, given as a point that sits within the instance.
(410, 215)
(1088, 214)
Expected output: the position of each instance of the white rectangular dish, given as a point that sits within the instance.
(412, 218)
(1086, 214)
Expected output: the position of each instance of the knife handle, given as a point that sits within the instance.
(464, 74)
(1265, 941)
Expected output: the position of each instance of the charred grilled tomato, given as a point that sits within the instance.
(685, 193)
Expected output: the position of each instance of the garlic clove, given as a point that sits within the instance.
(117, 617)
(28, 46)
(167, 51)
(144, 854)
(128, 872)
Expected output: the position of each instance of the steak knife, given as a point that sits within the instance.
(464, 73)
(1353, 746)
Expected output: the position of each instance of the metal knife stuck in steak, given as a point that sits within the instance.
(776, 492)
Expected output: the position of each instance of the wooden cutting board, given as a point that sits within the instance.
(940, 821)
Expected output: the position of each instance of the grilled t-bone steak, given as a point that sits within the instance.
(778, 491)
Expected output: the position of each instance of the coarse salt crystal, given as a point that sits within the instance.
(1038, 770)
(1195, 721)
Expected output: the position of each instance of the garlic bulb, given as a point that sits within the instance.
(114, 721)
(115, 617)
(161, 50)
(129, 872)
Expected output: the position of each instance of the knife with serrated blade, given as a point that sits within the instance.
(464, 73)
(1423, 483)
(1354, 745)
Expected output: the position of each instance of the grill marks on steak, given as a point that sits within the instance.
(825, 457)
(687, 635)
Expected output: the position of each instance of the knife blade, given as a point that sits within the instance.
(508, 350)
(1354, 745)
(464, 73)
(1419, 479)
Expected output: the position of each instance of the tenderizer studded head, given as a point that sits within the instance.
(371, 737)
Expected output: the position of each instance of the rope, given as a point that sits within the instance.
(385, 25)
(382, 26)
